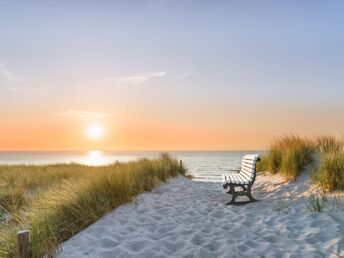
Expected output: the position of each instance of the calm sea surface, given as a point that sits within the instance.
(204, 166)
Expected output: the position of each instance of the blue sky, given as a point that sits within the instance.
(205, 64)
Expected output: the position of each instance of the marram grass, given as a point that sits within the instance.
(330, 173)
(20, 184)
(68, 198)
(288, 155)
(328, 144)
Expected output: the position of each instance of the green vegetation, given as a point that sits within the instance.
(330, 173)
(318, 203)
(315, 203)
(55, 202)
(289, 155)
(19, 185)
(328, 144)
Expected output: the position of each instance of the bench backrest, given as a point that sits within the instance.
(248, 167)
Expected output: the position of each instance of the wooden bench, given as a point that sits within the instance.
(243, 178)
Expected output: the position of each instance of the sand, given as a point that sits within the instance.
(185, 218)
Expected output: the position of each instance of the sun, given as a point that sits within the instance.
(95, 131)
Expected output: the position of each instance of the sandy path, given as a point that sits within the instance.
(185, 218)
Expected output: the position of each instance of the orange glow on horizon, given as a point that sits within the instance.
(138, 132)
(52, 135)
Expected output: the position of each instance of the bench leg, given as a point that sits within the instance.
(232, 192)
(249, 195)
(246, 191)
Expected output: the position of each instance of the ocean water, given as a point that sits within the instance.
(202, 165)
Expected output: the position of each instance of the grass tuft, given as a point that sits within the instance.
(328, 144)
(288, 155)
(330, 174)
(315, 203)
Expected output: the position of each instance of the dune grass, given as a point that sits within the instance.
(55, 202)
(20, 184)
(328, 144)
(315, 203)
(330, 173)
(288, 155)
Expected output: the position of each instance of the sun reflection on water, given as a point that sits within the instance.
(94, 158)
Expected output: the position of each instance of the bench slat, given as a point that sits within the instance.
(247, 167)
(252, 156)
(251, 167)
(248, 163)
(247, 175)
(243, 178)
(231, 179)
(236, 178)
(249, 160)
(247, 178)
(247, 171)
(227, 178)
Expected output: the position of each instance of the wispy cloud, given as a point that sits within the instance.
(34, 90)
(7, 77)
(83, 115)
(135, 79)
(184, 75)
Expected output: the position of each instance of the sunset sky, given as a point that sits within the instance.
(168, 75)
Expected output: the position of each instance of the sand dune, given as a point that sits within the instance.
(185, 218)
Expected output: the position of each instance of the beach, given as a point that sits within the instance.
(186, 218)
(183, 129)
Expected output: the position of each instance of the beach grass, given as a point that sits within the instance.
(288, 155)
(328, 144)
(20, 184)
(316, 203)
(57, 201)
(330, 173)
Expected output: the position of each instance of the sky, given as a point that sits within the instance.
(169, 75)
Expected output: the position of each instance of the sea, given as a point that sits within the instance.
(202, 165)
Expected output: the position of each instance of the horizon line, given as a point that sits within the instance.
(135, 150)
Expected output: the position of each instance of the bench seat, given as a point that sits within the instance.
(236, 179)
